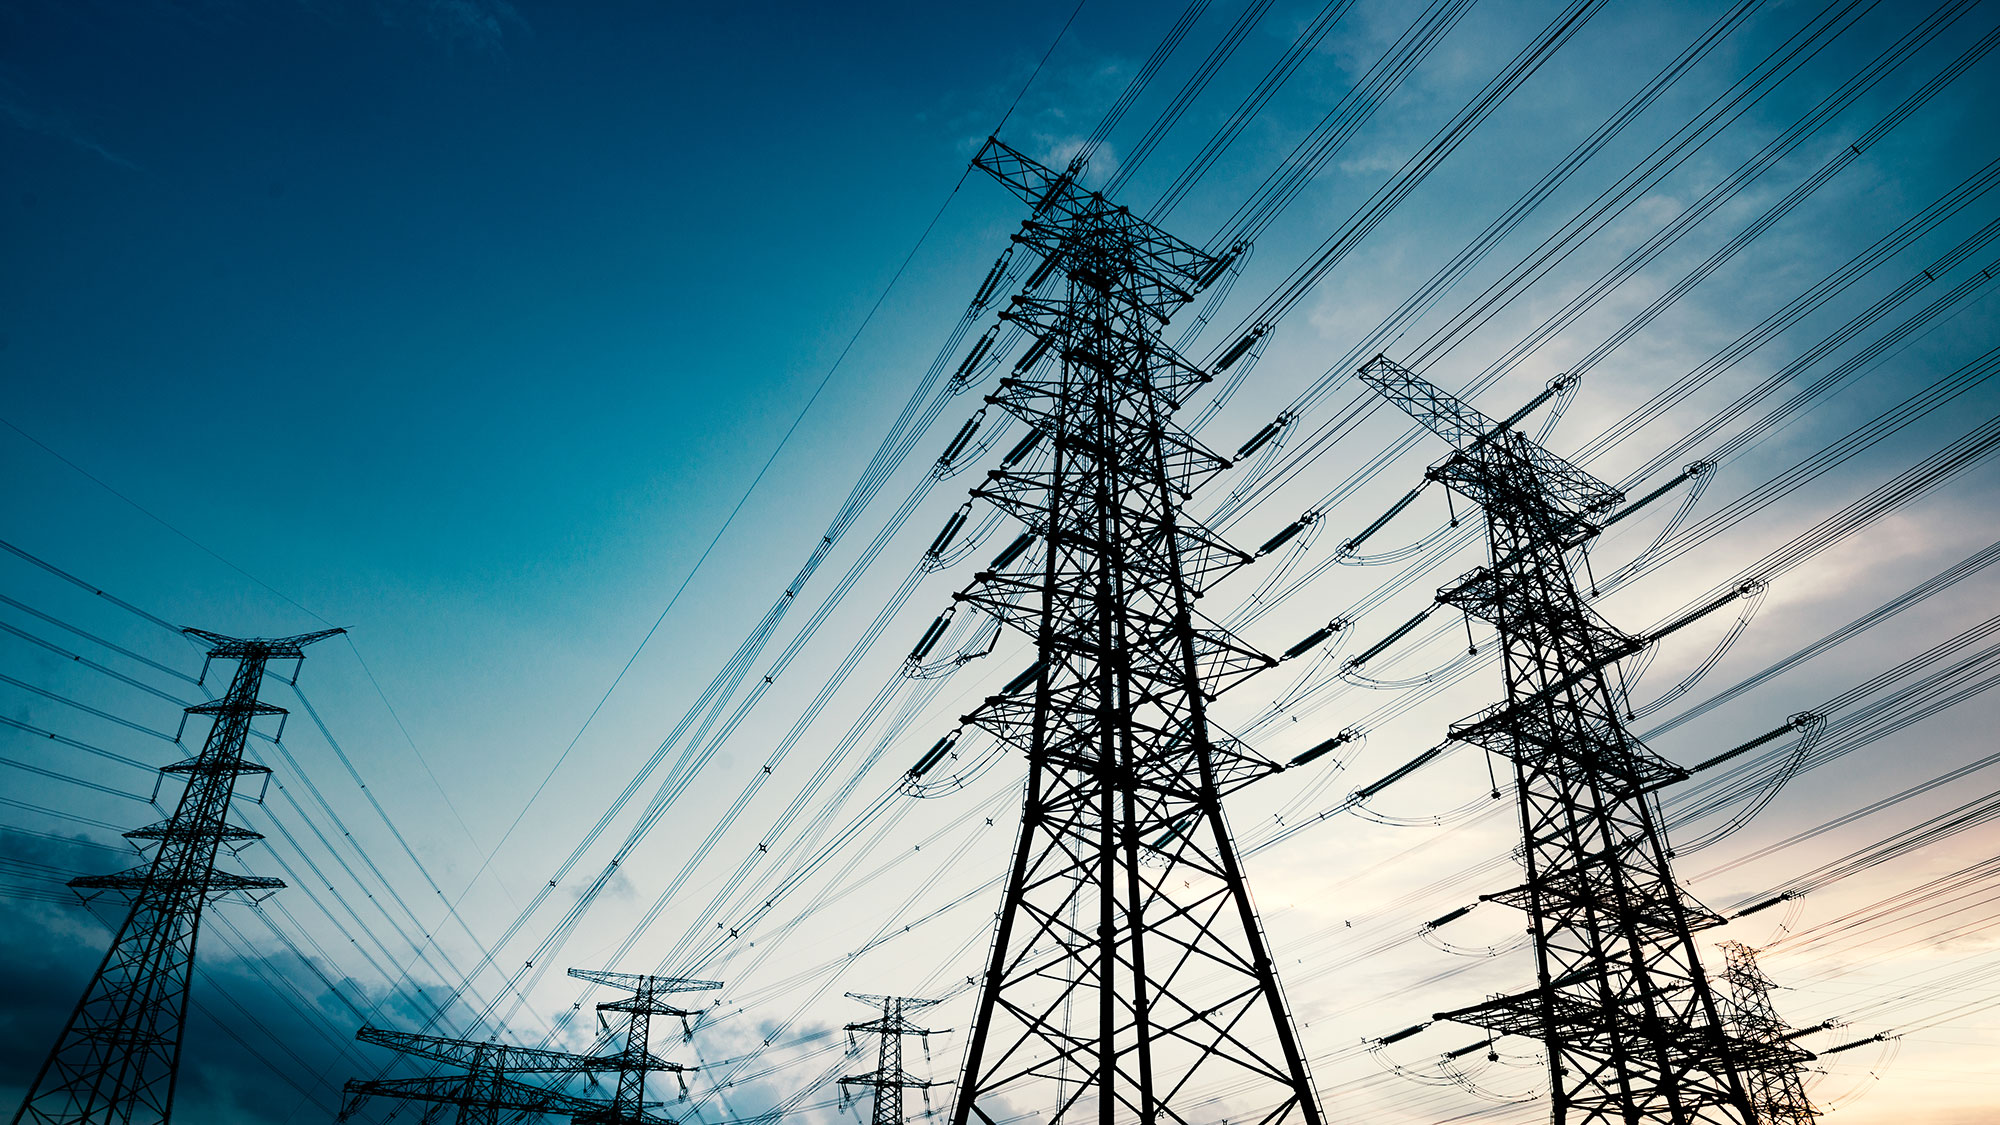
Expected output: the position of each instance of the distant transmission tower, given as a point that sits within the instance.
(487, 1090)
(889, 1079)
(1630, 1021)
(636, 1059)
(118, 1056)
(1129, 978)
(1773, 1065)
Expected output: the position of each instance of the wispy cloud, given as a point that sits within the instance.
(50, 124)
(477, 25)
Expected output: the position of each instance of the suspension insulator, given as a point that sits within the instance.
(1006, 558)
(1399, 1036)
(964, 435)
(1322, 749)
(1285, 536)
(935, 754)
(1258, 439)
(1766, 904)
(1237, 349)
(1216, 269)
(1392, 638)
(972, 358)
(1040, 349)
(992, 281)
(930, 638)
(1313, 641)
(1451, 917)
(1022, 448)
(1042, 272)
(1027, 677)
(950, 531)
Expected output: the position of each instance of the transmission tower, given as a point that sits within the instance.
(636, 1059)
(1630, 1021)
(1773, 1065)
(487, 1089)
(118, 1056)
(889, 1079)
(1129, 978)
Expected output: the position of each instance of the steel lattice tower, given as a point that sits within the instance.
(889, 1079)
(1630, 1021)
(636, 1057)
(487, 1089)
(1773, 1065)
(118, 1056)
(1129, 978)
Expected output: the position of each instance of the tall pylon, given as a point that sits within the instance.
(1773, 1065)
(1630, 1021)
(889, 1079)
(117, 1058)
(628, 1104)
(1129, 978)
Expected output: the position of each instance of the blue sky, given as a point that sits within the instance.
(466, 325)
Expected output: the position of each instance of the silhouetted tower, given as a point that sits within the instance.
(889, 1079)
(636, 1058)
(1773, 1065)
(1129, 978)
(1630, 1021)
(117, 1057)
(487, 1089)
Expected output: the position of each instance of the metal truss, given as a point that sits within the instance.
(636, 1059)
(117, 1058)
(1773, 1065)
(889, 1079)
(1629, 1019)
(487, 1090)
(1129, 978)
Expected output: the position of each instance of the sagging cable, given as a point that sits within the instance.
(935, 754)
(1701, 473)
(993, 276)
(930, 638)
(970, 368)
(1279, 574)
(949, 532)
(1751, 594)
(1353, 545)
(958, 442)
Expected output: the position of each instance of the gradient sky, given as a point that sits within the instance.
(465, 324)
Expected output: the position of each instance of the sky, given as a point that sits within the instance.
(539, 346)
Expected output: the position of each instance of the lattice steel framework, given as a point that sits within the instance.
(889, 1079)
(119, 1055)
(636, 1059)
(1629, 1019)
(1129, 978)
(487, 1090)
(1773, 1065)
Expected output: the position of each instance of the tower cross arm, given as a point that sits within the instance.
(230, 648)
(638, 982)
(1479, 438)
(471, 1053)
(449, 1089)
(1057, 198)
